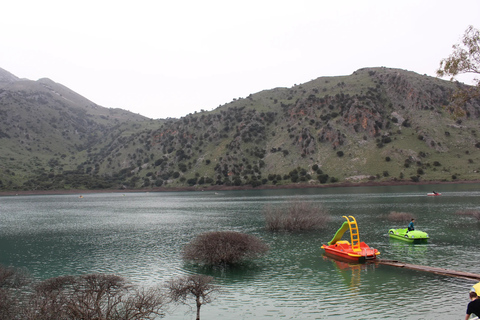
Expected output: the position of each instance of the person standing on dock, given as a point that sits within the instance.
(473, 305)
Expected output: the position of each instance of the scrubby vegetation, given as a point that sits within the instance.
(223, 248)
(92, 296)
(400, 216)
(470, 213)
(96, 296)
(295, 216)
(12, 282)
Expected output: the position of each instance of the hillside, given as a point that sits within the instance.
(44, 125)
(377, 124)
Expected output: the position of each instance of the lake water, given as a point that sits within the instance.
(140, 236)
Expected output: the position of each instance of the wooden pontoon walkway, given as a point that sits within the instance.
(442, 271)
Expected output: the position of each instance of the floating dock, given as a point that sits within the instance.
(441, 271)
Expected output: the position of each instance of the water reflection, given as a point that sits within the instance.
(409, 251)
(350, 272)
(243, 272)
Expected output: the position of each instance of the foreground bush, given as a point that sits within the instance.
(296, 216)
(93, 296)
(471, 213)
(223, 248)
(400, 216)
(12, 282)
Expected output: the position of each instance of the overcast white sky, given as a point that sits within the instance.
(171, 58)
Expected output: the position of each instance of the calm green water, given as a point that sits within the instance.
(140, 236)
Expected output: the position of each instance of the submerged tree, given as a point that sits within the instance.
(470, 213)
(223, 248)
(400, 216)
(11, 282)
(93, 296)
(199, 287)
(464, 59)
(295, 216)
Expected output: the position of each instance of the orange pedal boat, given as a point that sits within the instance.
(356, 251)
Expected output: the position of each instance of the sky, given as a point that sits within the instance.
(166, 59)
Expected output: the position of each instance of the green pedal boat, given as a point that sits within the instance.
(415, 236)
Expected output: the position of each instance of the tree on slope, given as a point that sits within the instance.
(465, 59)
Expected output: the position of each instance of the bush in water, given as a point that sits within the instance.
(223, 248)
(400, 216)
(296, 216)
(471, 213)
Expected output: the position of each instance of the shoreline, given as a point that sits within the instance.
(231, 188)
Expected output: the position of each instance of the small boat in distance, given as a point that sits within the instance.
(356, 251)
(433, 194)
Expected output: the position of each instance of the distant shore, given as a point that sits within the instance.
(225, 188)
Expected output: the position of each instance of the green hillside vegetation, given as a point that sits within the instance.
(378, 124)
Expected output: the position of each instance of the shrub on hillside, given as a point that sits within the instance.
(223, 248)
(323, 178)
(296, 216)
(415, 178)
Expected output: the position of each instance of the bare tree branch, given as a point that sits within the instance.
(199, 287)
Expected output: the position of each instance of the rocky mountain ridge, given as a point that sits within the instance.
(378, 124)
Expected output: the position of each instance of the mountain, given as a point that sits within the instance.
(43, 123)
(7, 77)
(377, 124)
